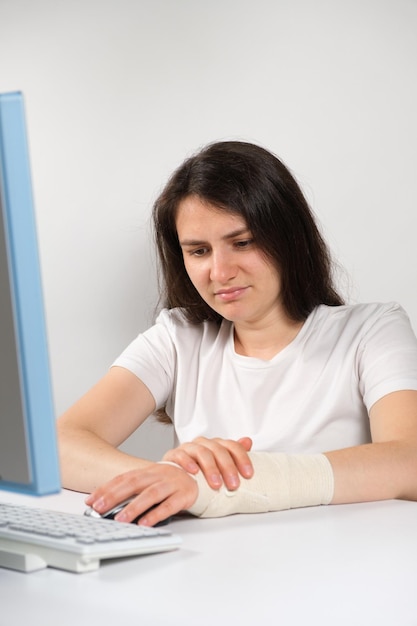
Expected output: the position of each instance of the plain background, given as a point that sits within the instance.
(119, 92)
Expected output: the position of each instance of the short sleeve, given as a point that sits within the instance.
(152, 358)
(387, 354)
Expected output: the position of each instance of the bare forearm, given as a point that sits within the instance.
(376, 471)
(88, 461)
(90, 431)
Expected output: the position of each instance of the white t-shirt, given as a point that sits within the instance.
(313, 396)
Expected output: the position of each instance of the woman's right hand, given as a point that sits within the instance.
(161, 487)
(222, 461)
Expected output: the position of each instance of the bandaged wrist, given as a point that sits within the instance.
(280, 481)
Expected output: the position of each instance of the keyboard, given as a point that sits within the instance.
(34, 538)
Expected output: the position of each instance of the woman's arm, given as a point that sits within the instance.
(383, 469)
(90, 431)
(386, 468)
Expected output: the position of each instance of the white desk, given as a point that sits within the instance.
(353, 565)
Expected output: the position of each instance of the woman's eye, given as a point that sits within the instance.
(245, 243)
(198, 252)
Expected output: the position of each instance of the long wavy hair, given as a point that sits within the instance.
(245, 179)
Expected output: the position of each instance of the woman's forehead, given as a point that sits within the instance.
(196, 214)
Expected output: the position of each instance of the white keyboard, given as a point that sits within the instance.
(34, 538)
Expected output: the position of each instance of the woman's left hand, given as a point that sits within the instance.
(220, 460)
(167, 488)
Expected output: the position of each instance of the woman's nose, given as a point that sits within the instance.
(223, 268)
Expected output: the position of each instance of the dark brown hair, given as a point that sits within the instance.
(248, 180)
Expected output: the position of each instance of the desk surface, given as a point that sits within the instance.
(336, 565)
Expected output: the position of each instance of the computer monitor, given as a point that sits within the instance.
(28, 446)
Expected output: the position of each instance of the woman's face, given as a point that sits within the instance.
(231, 274)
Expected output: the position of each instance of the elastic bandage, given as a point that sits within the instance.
(280, 481)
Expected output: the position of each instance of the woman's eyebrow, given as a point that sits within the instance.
(198, 242)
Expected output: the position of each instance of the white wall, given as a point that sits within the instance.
(119, 92)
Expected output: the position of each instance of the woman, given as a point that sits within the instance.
(280, 394)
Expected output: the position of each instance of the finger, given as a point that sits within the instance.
(225, 454)
(205, 460)
(120, 488)
(166, 509)
(235, 462)
(240, 456)
(208, 463)
(181, 457)
(161, 500)
(246, 442)
(239, 452)
(145, 502)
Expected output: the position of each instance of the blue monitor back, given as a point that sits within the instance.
(28, 447)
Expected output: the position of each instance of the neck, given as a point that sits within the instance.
(264, 342)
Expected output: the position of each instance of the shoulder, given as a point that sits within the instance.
(177, 318)
(363, 321)
(179, 327)
(363, 313)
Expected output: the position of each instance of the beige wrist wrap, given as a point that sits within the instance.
(280, 481)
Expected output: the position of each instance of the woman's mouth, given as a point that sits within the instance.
(232, 293)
